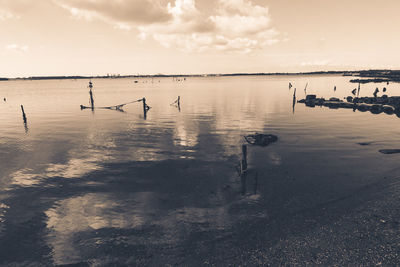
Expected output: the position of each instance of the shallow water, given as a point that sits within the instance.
(110, 187)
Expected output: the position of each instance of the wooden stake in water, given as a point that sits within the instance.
(23, 114)
(24, 118)
(243, 169)
(91, 95)
(244, 158)
(91, 99)
(144, 108)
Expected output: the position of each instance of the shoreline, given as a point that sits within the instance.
(374, 76)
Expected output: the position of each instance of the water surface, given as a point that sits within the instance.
(109, 187)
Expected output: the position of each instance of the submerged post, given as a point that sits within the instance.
(23, 114)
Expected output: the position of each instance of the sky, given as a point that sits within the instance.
(100, 37)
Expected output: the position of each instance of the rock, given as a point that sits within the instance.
(389, 151)
(364, 143)
(376, 109)
(310, 97)
(363, 107)
(310, 104)
(261, 139)
(388, 109)
(349, 99)
(346, 105)
(334, 99)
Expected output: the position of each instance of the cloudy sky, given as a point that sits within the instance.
(96, 37)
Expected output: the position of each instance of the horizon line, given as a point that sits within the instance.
(160, 75)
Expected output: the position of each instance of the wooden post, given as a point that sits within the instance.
(244, 158)
(23, 114)
(179, 103)
(91, 98)
(144, 108)
(243, 168)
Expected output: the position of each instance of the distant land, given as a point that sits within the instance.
(364, 76)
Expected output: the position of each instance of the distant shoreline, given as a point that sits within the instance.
(366, 75)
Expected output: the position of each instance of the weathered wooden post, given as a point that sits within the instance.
(243, 168)
(91, 95)
(144, 108)
(294, 100)
(179, 103)
(23, 114)
(24, 118)
(91, 99)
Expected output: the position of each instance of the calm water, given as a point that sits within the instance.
(109, 187)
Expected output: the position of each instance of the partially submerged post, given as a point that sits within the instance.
(294, 100)
(24, 118)
(243, 168)
(91, 99)
(244, 158)
(144, 107)
(91, 95)
(23, 113)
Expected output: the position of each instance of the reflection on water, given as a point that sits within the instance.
(144, 187)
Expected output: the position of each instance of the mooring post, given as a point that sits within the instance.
(243, 169)
(91, 98)
(23, 114)
(144, 108)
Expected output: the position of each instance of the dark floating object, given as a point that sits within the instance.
(261, 139)
(389, 151)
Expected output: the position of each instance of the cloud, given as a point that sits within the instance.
(237, 25)
(12, 9)
(16, 47)
(121, 12)
(226, 25)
